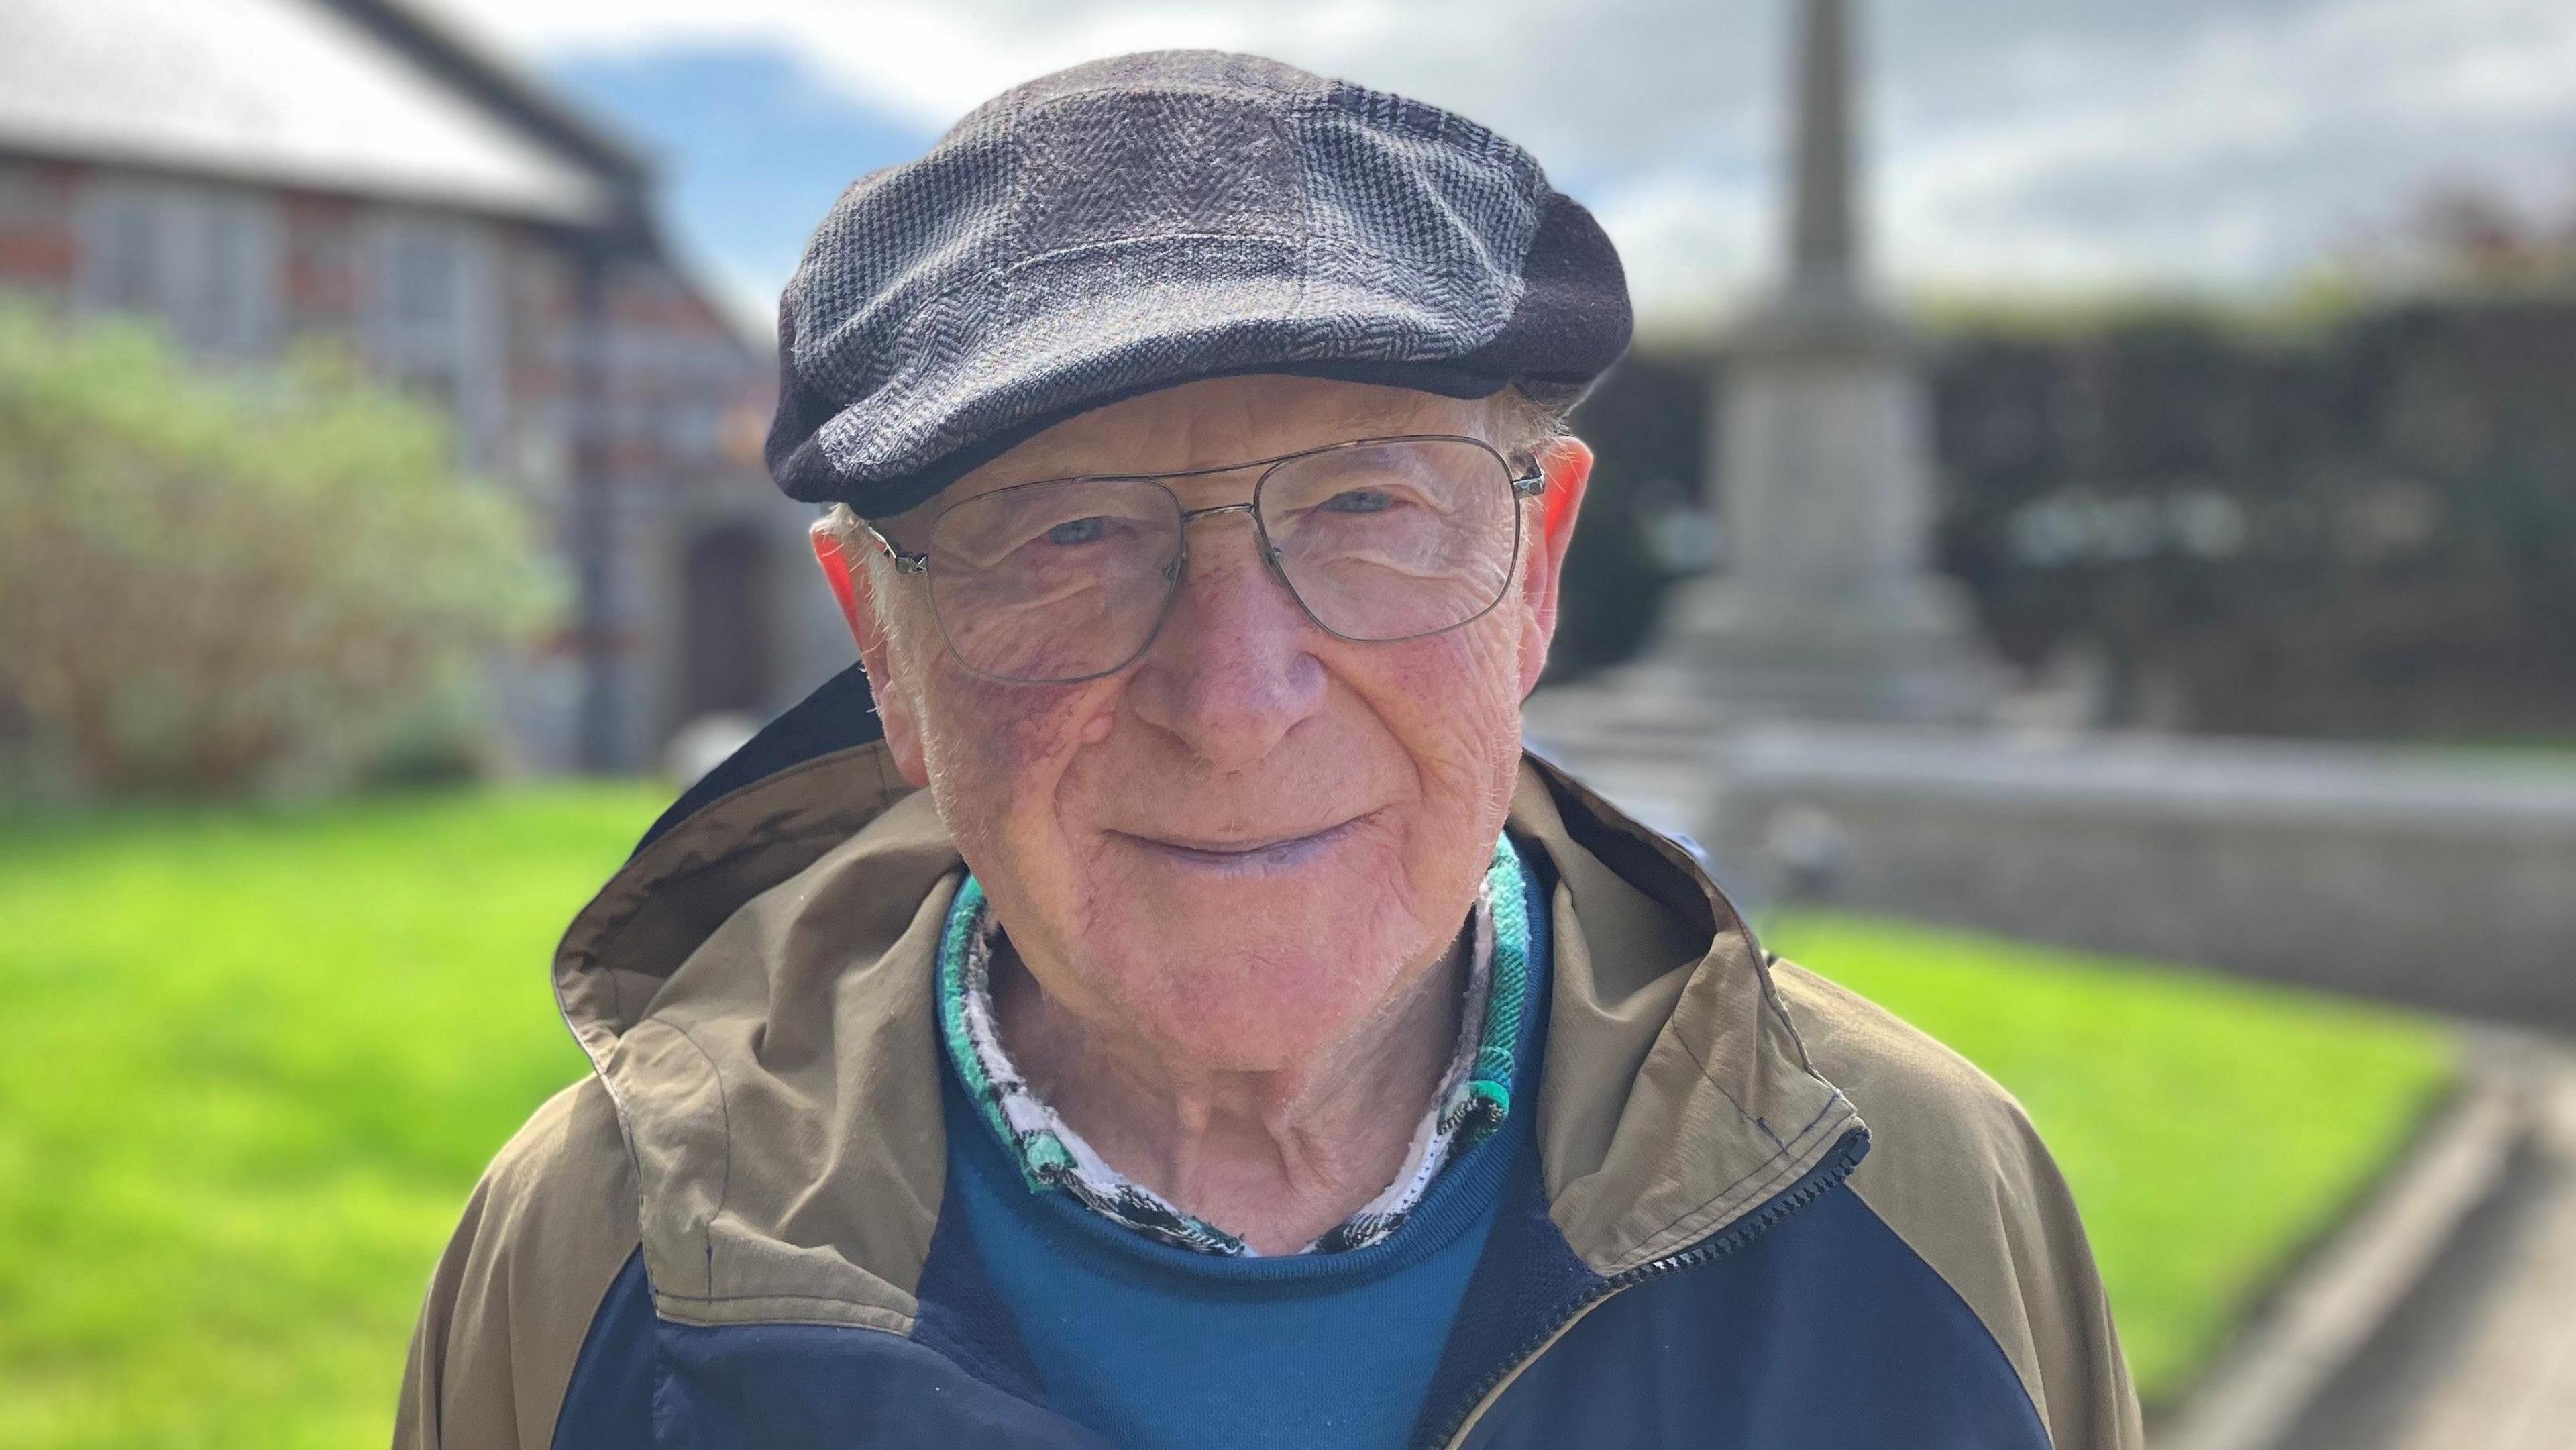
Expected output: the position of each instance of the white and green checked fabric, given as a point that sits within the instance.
(1475, 1093)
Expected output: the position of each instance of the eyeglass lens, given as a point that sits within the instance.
(1067, 580)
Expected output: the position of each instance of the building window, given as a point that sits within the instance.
(424, 278)
(433, 323)
(202, 259)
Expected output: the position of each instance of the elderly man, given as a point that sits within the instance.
(1180, 1014)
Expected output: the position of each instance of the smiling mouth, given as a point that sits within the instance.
(1245, 855)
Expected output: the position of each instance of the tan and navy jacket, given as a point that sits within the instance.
(1755, 1211)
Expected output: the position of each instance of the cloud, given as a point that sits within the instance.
(2238, 150)
(2013, 143)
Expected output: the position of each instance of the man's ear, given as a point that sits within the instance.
(853, 587)
(1567, 462)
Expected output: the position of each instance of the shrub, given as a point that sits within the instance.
(208, 579)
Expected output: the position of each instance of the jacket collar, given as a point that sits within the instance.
(755, 989)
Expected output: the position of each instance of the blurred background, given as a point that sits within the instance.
(2085, 541)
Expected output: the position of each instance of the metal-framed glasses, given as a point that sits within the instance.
(1377, 539)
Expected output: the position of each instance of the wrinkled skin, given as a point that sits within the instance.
(1234, 872)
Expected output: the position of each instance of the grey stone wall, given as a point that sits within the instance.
(2445, 881)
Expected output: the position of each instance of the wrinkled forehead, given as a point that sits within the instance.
(1215, 422)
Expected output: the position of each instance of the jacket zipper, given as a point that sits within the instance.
(1828, 1175)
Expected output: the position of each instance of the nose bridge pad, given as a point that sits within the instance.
(1271, 557)
(1275, 561)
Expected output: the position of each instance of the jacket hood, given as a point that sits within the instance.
(754, 988)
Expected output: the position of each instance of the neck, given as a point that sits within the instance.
(1275, 1156)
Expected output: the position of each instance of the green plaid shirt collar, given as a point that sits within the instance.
(1475, 1092)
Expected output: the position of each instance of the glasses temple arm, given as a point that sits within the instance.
(905, 562)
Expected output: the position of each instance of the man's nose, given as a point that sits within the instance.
(1233, 670)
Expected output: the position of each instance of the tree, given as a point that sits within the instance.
(209, 577)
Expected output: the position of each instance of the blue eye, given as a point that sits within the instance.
(1358, 501)
(1079, 531)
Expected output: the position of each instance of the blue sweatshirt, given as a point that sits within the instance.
(1157, 1348)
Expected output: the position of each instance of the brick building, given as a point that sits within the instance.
(252, 172)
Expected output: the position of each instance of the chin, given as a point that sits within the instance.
(1257, 959)
(1249, 989)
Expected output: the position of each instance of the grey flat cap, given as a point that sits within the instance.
(1150, 219)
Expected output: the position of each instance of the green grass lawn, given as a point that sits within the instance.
(2211, 1128)
(253, 1062)
(255, 1059)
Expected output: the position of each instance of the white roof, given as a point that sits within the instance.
(289, 92)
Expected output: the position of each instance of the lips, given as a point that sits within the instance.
(1266, 850)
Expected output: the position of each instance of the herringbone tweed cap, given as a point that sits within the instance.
(1142, 221)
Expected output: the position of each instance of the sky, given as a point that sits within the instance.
(2015, 147)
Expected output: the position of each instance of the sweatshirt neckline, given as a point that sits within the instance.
(1053, 1162)
(1465, 1196)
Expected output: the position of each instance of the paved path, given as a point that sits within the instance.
(2482, 1356)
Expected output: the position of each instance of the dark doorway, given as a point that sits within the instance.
(727, 626)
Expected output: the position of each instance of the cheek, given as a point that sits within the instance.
(1450, 706)
(995, 754)
(1453, 701)
(978, 737)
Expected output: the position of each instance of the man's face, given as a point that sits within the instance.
(1256, 834)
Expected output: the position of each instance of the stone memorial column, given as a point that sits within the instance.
(1826, 605)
